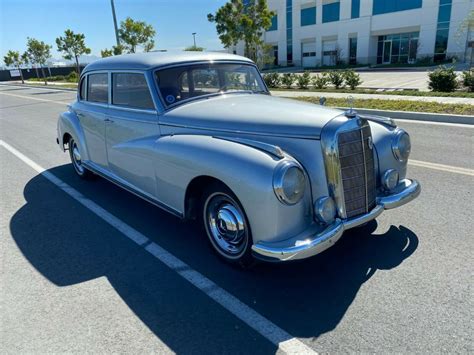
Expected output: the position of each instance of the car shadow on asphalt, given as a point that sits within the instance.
(306, 298)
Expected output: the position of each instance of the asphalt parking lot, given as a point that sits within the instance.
(72, 282)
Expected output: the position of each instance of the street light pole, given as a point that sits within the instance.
(194, 38)
(115, 22)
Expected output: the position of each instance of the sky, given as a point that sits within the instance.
(45, 20)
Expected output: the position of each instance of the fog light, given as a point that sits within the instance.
(325, 210)
(390, 179)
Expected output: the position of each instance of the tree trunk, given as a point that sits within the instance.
(21, 75)
(37, 73)
(77, 68)
(44, 76)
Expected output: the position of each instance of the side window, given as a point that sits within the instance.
(97, 88)
(131, 90)
(82, 90)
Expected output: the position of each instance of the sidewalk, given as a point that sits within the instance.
(442, 100)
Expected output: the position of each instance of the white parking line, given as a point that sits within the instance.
(35, 98)
(253, 319)
(441, 167)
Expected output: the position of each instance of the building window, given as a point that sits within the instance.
(308, 16)
(442, 31)
(275, 55)
(387, 6)
(353, 50)
(397, 48)
(355, 9)
(331, 12)
(274, 25)
(289, 32)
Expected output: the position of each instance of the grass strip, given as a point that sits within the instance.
(464, 94)
(397, 105)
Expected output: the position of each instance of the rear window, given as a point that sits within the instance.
(131, 90)
(97, 88)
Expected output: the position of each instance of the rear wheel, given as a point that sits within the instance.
(76, 160)
(226, 225)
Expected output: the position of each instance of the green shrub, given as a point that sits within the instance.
(352, 79)
(288, 79)
(443, 79)
(468, 79)
(336, 78)
(303, 80)
(320, 81)
(273, 80)
(72, 77)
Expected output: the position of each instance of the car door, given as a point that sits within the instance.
(91, 109)
(131, 130)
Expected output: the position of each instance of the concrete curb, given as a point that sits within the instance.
(405, 115)
(417, 116)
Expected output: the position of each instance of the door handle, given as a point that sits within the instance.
(80, 114)
(109, 120)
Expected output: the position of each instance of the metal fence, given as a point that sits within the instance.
(6, 75)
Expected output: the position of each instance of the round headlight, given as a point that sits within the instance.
(390, 179)
(401, 145)
(289, 182)
(325, 210)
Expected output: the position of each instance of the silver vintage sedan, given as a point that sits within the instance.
(199, 135)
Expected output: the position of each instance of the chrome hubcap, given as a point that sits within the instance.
(76, 158)
(226, 225)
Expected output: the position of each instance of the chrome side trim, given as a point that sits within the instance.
(126, 186)
(269, 148)
(312, 241)
(240, 132)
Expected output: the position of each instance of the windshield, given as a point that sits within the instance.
(189, 81)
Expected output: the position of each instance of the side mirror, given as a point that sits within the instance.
(322, 101)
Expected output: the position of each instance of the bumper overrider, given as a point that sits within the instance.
(313, 241)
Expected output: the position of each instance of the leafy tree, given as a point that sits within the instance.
(106, 53)
(238, 22)
(73, 46)
(14, 59)
(194, 49)
(38, 52)
(136, 33)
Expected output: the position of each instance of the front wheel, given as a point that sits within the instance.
(226, 225)
(76, 160)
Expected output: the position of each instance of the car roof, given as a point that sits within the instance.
(150, 60)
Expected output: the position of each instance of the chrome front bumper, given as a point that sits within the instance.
(314, 241)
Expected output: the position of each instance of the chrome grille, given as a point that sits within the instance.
(357, 170)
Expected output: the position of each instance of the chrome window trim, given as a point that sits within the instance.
(182, 64)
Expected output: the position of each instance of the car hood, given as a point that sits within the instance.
(252, 113)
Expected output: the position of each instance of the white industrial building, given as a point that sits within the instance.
(312, 33)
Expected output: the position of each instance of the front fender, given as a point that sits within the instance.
(246, 170)
(68, 123)
(382, 136)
